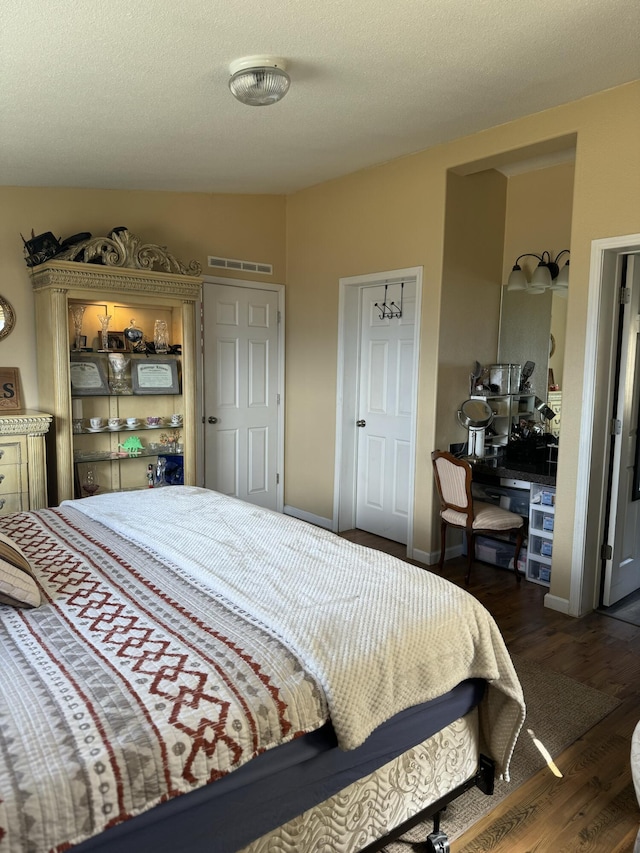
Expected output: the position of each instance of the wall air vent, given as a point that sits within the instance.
(240, 266)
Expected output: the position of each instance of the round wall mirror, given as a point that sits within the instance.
(7, 318)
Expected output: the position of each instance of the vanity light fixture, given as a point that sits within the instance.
(259, 80)
(547, 275)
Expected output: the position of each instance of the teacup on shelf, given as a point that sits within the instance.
(115, 423)
(153, 421)
(132, 422)
(96, 423)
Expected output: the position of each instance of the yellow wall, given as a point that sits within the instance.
(191, 225)
(382, 218)
(394, 216)
(471, 287)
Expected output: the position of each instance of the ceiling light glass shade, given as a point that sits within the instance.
(259, 80)
(541, 279)
(517, 279)
(562, 281)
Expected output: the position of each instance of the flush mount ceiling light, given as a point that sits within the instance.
(259, 80)
(547, 276)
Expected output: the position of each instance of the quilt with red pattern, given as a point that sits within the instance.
(127, 686)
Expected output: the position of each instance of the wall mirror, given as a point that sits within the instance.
(7, 318)
(529, 323)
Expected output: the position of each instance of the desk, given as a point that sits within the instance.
(527, 488)
(542, 471)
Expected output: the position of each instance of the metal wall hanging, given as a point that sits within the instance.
(388, 312)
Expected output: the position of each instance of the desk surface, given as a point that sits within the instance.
(532, 472)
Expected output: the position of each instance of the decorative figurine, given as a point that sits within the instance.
(150, 475)
(132, 446)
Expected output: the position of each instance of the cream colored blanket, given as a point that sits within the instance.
(379, 634)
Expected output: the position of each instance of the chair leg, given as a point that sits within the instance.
(471, 552)
(443, 542)
(519, 541)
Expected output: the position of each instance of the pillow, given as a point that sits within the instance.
(17, 585)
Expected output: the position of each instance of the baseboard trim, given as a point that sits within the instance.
(430, 558)
(318, 520)
(554, 602)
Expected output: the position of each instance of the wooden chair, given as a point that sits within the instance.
(458, 509)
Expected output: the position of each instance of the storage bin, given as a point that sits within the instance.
(547, 522)
(546, 548)
(544, 573)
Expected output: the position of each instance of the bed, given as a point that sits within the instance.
(202, 674)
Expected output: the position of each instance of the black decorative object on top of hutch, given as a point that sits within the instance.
(94, 426)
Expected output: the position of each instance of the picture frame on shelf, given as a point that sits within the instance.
(10, 396)
(116, 341)
(155, 375)
(88, 376)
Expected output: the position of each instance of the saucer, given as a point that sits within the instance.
(132, 426)
(174, 423)
(154, 426)
(115, 428)
(96, 429)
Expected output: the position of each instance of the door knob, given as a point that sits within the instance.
(361, 423)
(212, 420)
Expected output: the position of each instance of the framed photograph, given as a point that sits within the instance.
(10, 398)
(88, 374)
(155, 375)
(116, 341)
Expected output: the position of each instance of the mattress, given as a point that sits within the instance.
(185, 636)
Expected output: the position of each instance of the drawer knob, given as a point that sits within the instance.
(2, 502)
(1, 453)
(1, 477)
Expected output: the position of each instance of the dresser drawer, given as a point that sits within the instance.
(13, 478)
(14, 502)
(13, 452)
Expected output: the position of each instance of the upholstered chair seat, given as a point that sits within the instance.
(458, 509)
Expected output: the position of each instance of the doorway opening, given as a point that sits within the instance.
(377, 391)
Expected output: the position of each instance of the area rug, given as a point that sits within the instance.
(559, 711)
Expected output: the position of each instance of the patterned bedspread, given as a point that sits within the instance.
(127, 687)
(183, 633)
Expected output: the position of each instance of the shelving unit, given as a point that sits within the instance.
(124, 293)
(507, 409)
(542, 508)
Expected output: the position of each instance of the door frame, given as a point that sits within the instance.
(349, 320)
(589, 518)
(255, 285)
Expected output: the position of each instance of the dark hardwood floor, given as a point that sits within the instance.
(593, 807)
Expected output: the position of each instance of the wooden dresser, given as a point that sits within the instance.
(23, 470)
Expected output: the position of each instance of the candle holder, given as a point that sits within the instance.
(77, 313)
(90, 483)
(104, 320)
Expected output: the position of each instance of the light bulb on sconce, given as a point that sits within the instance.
(547, 275)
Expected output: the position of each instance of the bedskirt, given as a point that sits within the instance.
(374, 805)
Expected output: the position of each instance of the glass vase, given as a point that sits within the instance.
(118, 365)
(104, 320)
(77, 313)
(161, 337)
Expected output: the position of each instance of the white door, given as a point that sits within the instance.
(622, 570)
(241, 394)
(385, 410)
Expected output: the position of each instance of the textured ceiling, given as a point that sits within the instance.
(133, 93)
